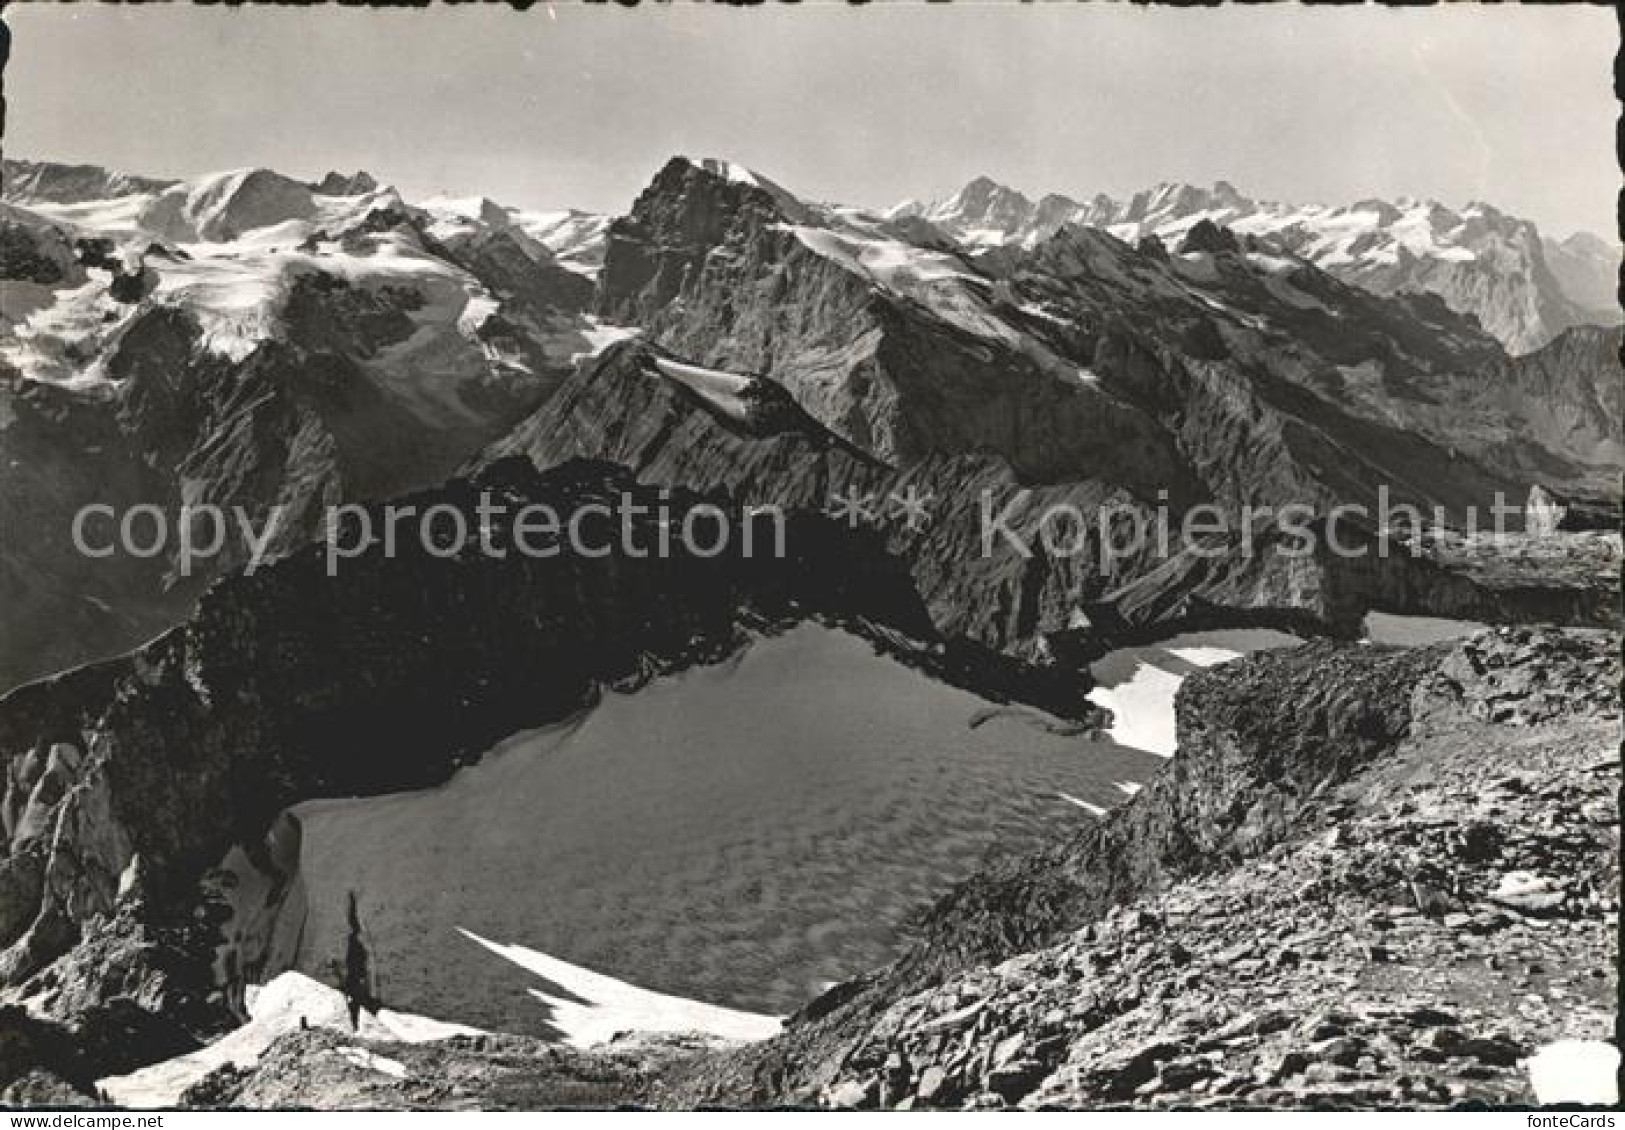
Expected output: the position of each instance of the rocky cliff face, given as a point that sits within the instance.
(1066, 581)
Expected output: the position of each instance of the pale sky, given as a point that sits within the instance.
(578, 107)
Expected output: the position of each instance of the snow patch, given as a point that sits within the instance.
(1415, 631)
(275, 1009)
(1091, 809)
(724, 392)
(1575, 1071)
(590, 1008)
(480, 307)
(1138, 684)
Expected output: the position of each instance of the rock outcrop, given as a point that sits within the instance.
(1369, 878)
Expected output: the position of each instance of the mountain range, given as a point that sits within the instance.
(1524, 287)
(249, 340)
(278, 347)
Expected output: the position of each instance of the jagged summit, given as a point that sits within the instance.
(336, 183)
(721, 167)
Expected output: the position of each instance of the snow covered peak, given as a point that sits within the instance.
(478, 208)
(50, 182)
(984, 213)
(220, 207)
(1480, 259)
(727, 170)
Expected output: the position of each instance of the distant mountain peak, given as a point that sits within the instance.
(985, 188)
(719, 169)
(58, 182)
(335, 183)
(727, 170)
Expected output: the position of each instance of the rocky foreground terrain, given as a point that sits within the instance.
(1370, 877)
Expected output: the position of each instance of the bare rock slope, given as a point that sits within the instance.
(1369, 878)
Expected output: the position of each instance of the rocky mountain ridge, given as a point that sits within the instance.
(250, 340)
(1411, 832)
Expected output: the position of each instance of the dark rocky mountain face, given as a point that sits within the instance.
(728, 273)
(1226, 373)
(1019, 595)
